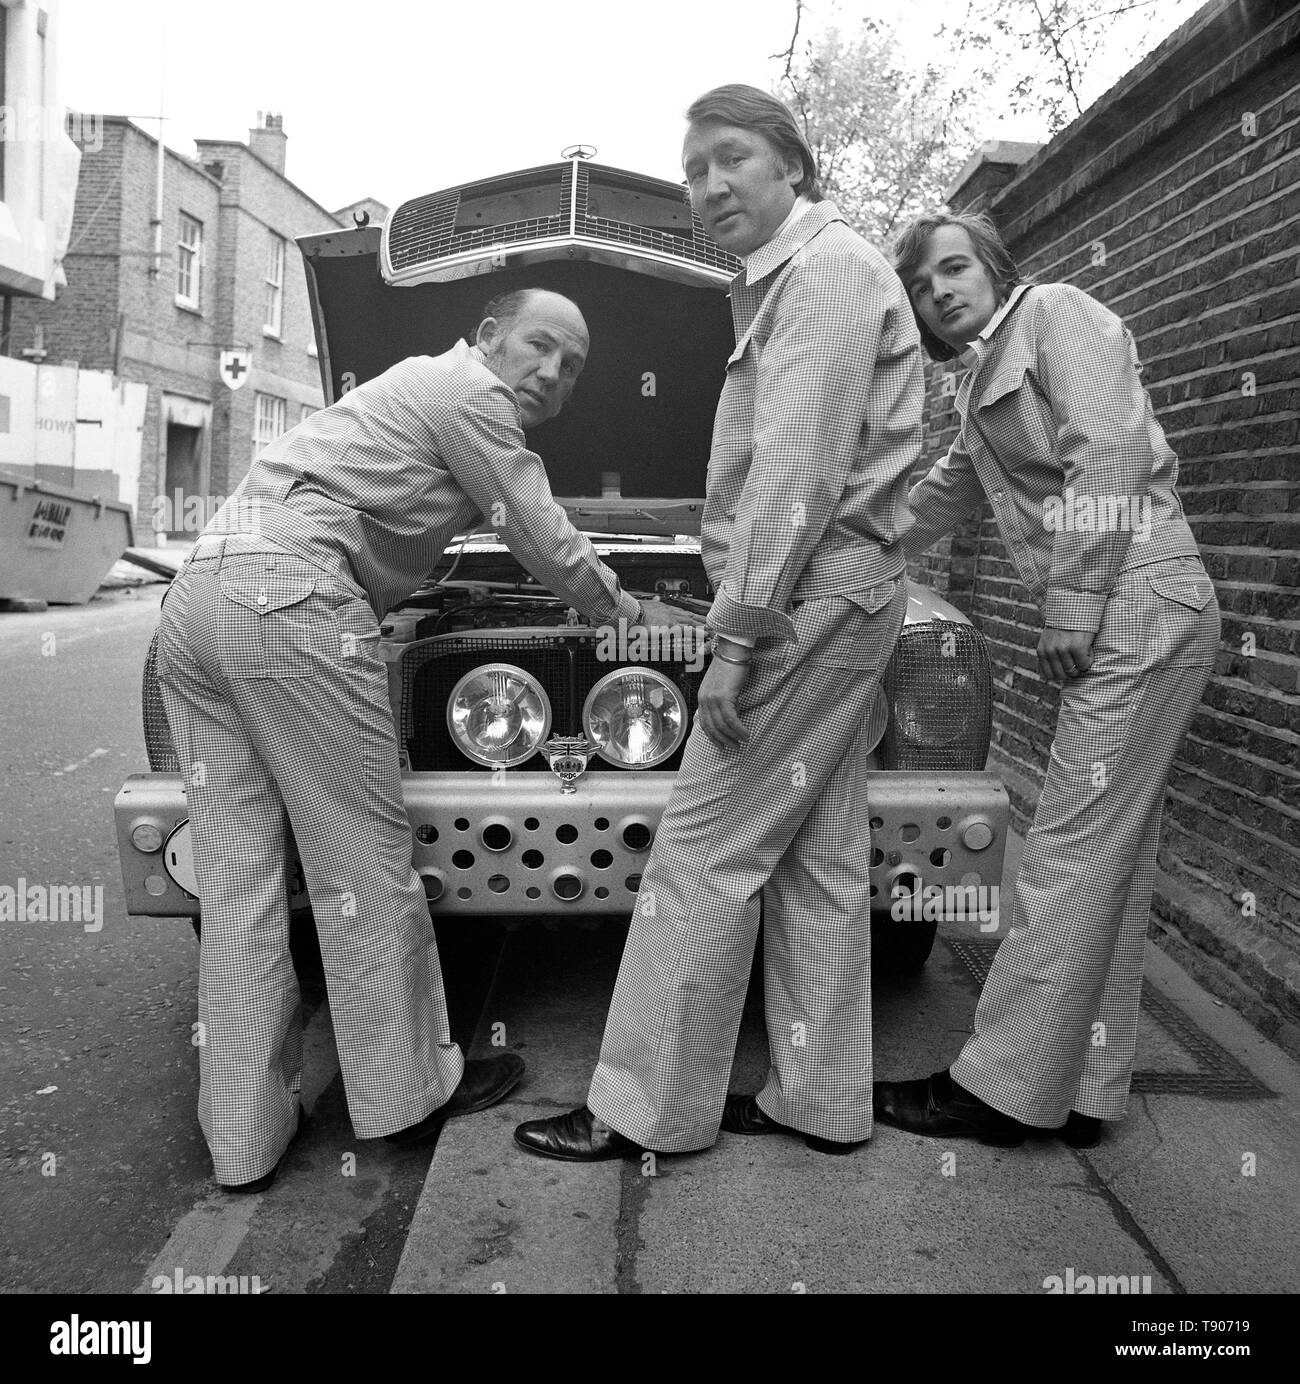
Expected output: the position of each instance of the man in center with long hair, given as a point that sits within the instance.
(817, 431)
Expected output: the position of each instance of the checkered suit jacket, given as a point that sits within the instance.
(1055, 407)
(817, 429)
(381, 480)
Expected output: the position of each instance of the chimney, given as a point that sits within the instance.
(268, 140)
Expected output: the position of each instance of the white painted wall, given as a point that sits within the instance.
(77, 428)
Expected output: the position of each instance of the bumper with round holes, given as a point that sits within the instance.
(515, 845)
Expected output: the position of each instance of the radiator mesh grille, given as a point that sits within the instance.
(939, 688)
(157, 733)
(941, 701)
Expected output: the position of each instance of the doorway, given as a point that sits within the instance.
(184, 500)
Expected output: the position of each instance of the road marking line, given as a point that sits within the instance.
(208, 1236)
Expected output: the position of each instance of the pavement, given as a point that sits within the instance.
(1194, 1192)
(125, 573)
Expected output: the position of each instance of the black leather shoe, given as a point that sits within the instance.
(485, 1081)
(743, 1115)
(1081, 1131)
(936, 1106)
(260, 1184)
(573, 1138)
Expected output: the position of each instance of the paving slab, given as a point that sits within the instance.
(1195, 1191)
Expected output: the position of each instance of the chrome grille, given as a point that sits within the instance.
(699, 249)
(424, 230)
(436, 241)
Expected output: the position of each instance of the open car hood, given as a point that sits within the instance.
(630, 450)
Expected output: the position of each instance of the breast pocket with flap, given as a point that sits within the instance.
(1014, 418)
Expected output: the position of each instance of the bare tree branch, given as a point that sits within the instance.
(887, 138)
(1066, 65)
(890, 133)
(1059, 38)
(1085, 19)
(788, 54)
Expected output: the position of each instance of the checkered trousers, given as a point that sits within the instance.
(784, 815)
(1056, 1025)
(278, 707)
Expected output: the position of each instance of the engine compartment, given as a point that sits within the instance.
(482, 586)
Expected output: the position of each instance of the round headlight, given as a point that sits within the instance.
(635, 717)
(936, 713)
(498, 715)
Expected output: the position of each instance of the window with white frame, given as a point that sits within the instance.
(274, 310)
(189, 260)
(268, 423)
(305, 411)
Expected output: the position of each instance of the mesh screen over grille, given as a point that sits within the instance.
(938, 685)
(940, 696)
(431, 668)
(590, 670)
(566, 668)
(157, 733)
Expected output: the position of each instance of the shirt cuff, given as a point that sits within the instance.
(729, 618)
(1074, 610)
(628, 608)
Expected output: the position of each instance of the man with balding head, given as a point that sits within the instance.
(278, 704)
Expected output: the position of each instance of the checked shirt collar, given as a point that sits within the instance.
(972, 356)
(791, 236)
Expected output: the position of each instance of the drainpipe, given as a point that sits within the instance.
(156, 268)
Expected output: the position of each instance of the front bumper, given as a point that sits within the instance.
(515, 845)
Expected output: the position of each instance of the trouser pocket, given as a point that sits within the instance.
(270, 622)
(856, 630)
(1163, 613)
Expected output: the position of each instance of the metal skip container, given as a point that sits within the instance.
(57, 545)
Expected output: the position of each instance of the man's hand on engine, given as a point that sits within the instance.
(657, 615)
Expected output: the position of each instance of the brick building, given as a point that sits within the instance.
(1175, 200)
(229, 277)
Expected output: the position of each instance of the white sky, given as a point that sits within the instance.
(394, 98)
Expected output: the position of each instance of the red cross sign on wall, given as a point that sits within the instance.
(234, 367)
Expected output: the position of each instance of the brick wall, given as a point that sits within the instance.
(172, 348)
(240, 201)
(1176, 202)
(258, 203)
(84, 331)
